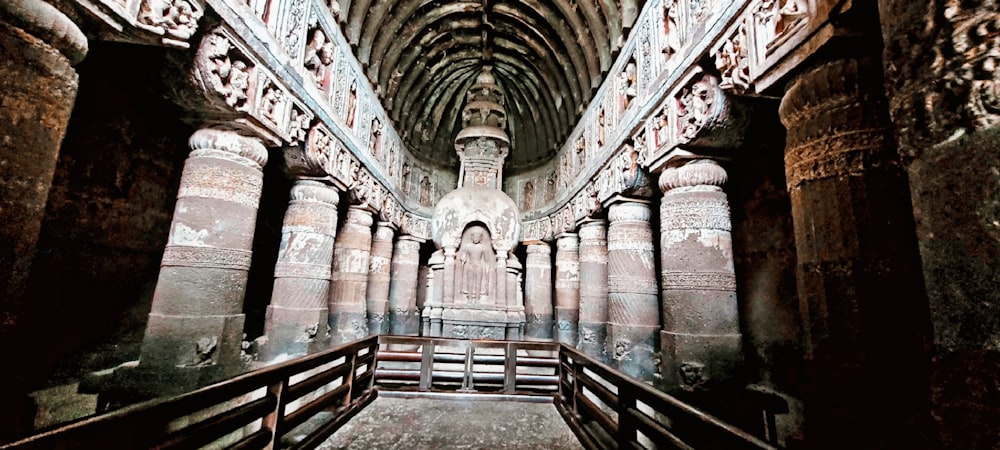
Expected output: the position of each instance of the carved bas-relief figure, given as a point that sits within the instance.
(319, 57)
(475, 254)
(177, 19)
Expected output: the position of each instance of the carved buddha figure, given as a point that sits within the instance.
(475, 253)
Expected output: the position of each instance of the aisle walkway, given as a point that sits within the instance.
(393, 423)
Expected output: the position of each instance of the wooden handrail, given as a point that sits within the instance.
(149, 424)
(435, 367)
(603, 407)
(684, 427)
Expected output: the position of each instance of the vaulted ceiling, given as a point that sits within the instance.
(549, 57)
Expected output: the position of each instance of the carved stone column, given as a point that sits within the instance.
(38, 86)
(196, 320)
(515, 308)
(404, 318)
(633, 306)
(296, 321)
(593, 289)
(348, 315)
(859, 278)
(431, 315)
(700, 346)
(538, 287)
(379, 266)
(567, 287)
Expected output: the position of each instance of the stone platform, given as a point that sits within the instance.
(394, 423)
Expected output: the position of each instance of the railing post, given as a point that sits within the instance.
(577, 389)
(427, 366)
(467, 383)
(510, 368)
(272, 420)
(349, 379)
(627, 430)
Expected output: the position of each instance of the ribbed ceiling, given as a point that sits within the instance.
(549, 56)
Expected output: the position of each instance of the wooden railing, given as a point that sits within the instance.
(260, 409)
(434, 367)
(606, 409)
(300, 403)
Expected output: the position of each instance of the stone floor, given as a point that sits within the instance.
(394, 423)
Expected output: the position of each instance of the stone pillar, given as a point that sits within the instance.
(39, 45)
(349, 284)
(633, 306)
(859, 279)
(593, 289)
(435, 296)
(296, 321)
(501, 279)
(700, 346)
(196, 320)
(567, 287)
(538, 299)
(379, 266)
(515, 310)
(404, 318)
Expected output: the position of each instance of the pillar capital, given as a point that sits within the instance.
(314, 191)
(359, 215)
(47, 23)
(568, 241)
(629, 211)
(698, 172)
(230, 142)
(539, 247)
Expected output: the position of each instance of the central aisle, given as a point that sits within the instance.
(393, 423)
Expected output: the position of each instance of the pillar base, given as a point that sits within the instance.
(593, 340)
(703, 362)
(288, 338)
(566, 325)
(538, 328)
(632, 349)
(347, 326)
(187, 341)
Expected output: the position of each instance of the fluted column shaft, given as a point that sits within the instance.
(700, 345)
(196, 318)
(404, 318)
(633, 307)
(296, 321)
(567, 287)
(593, 289)
(349, 283)
(379, 268)
(859, 278)
(538, 287)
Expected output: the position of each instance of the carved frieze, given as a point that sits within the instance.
(294, 27)
(175, 20)
(974, 76)
(224, 71)
(732, 59)
(695, 105)
(319, 57)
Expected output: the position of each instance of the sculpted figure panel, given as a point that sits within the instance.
(475, 255)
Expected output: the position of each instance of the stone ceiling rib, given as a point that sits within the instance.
(550, 56)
